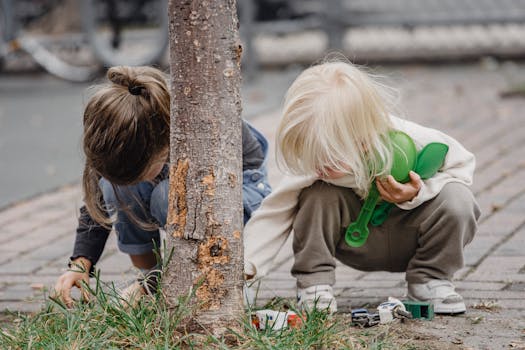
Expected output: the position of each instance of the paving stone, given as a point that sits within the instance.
(58, 248)
(34, 240)
(20, 292)
(479, 286)
(373, 292)
(498, 268)
(502, 156)
(479, 247)
(515, 304)
(513, 246)
(52, 270)
(5, 256)
(14, 279)
(488, 131)
(15, 213)
(23, 307)
(50, 214)
(519, 286)
(8, 234)
(61, 261)
(492, 294)
(65, 198)
(22, 266)
(505, 221)
(19, 229)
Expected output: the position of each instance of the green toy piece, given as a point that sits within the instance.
(429, 160)
(404, 160)
(420, 309)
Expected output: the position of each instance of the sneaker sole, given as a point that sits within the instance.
(452, 309)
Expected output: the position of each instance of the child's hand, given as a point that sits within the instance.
(395, 192)
(79, 272)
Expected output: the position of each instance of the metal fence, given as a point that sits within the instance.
(334, 17)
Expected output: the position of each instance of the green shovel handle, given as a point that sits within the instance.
(357, 232)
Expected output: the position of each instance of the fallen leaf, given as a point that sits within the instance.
(37, 286)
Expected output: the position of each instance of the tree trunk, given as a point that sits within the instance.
(205, 201)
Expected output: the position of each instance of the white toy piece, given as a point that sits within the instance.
(272, 319)
(393, 308)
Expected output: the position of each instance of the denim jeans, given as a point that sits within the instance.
(148, 202)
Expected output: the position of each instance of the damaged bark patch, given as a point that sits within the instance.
(209, 182)
(211, 290)
(238, 54)
(177, 206)
(215, 250)
(212, 252)
(232, 180)
(237, 234)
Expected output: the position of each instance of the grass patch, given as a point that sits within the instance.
(102, 324)
(108, 322)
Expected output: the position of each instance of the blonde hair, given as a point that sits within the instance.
(336, 116)
(126, 125)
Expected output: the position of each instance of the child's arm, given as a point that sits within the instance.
(89, 244)
(90, 239)
(458, 167)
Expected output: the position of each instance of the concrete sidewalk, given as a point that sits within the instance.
(37, 235)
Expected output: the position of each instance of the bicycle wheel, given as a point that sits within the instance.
(46, 50)
(127, 32)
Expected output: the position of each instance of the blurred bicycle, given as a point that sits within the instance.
(126, 32)
(115, 32)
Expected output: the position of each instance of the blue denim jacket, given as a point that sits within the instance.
(255, 186)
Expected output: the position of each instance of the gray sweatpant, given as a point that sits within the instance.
(427, 242)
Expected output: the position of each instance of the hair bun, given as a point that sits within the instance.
(137, 90)
(127, 77)
(119, 76)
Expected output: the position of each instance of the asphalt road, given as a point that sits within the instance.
(40, 128)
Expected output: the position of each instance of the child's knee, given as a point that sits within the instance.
(458, 203)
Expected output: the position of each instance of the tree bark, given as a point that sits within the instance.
(205, 201)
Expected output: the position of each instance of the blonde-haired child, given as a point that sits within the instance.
(333, 143)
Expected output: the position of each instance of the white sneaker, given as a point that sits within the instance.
(320, 297)
(441, 293)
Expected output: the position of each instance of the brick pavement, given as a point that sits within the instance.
(37, 235)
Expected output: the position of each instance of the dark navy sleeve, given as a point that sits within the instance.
(90, 239)
(252, 152)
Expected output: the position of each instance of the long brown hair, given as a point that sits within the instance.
(126, 124)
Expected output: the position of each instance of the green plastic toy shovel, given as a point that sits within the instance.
(429, 160)
(404, 160)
